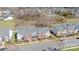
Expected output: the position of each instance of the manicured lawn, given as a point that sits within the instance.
(6, 24)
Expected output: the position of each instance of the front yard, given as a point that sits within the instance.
(74, 48)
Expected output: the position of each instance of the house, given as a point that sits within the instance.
(5, 34)
(65, 29)
(72, 29)
(43, 31)
(59, 30)
(32, 32)
(24, 32)
(6, 15)
(78, 27)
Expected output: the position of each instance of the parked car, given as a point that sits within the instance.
(77, 38)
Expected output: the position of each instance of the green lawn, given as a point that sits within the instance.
(6, 24)
(75, 49)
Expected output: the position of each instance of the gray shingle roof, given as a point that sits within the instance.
(69, 27)
(43, 30)
(24, 30)
(66, 26)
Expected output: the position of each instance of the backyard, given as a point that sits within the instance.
(74, 20)
(6, 24)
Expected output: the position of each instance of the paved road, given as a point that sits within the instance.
(50, 46)
(35, 47)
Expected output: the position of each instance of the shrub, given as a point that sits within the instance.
(60, 20)
(65, 13)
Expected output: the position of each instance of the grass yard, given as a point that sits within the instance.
(73, 49)
(6, 24)
(74, 20)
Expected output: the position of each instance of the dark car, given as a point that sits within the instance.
(77, 38)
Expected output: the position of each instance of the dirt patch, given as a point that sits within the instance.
(23, 23)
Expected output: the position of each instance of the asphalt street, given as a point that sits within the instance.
(48, 46)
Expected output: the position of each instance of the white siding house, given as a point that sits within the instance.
(32, 32)
(6, 15)
(6, 34)
(10, 34)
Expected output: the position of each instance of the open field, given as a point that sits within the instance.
(74, 20)
(68, 21)
(33, 22)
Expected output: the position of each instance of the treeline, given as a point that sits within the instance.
(31, 12)
(44, 16)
